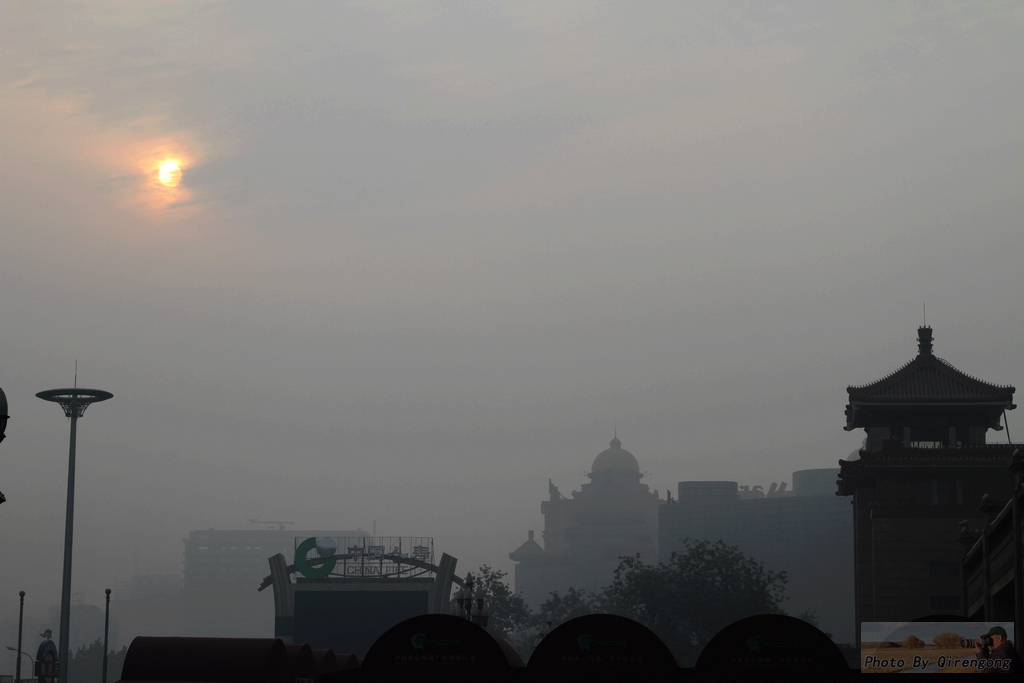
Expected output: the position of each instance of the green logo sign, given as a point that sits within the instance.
(303, 565)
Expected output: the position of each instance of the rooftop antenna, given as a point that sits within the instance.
(924, 314)
(76, 373)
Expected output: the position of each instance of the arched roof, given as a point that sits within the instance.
(615, 458)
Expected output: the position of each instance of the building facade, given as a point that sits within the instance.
(348, 591)
(993, 566)
(585, 534)
(805, 531)
(924, 469)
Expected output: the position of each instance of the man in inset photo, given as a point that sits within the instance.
(1001, 648)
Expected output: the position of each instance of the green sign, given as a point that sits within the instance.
(303, 565)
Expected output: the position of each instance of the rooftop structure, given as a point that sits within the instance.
(927, 401)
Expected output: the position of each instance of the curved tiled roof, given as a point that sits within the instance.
(930, 379)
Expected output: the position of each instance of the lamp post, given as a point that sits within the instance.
(18, 666)
(21, 618)
(466, 601)
(74, 402)
(106, 630)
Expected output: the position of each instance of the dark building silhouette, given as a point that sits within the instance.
(924, 468)
(587, 532)
(348, 591)
(805, 531)
(993, 566)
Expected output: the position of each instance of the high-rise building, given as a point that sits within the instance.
(586, 533)
(924, 468)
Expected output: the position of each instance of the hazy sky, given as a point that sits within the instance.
(425, 256)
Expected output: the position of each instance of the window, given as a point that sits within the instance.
(944, 603)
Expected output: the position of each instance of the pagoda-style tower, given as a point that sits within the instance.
(923, 470)
(927, 401)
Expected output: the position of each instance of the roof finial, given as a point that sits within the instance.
(924, 314)
(924, 341)
(615, 443)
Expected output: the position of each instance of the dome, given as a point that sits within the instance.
(615, 458)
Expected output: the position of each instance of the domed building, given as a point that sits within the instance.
(585, 534)
(615, 464)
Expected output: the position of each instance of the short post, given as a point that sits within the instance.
(21, 618)
(106, 630)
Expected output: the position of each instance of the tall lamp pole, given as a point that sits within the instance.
(106, 630)
(74, 402)
(21, 618)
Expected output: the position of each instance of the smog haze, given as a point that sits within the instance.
(395, 265)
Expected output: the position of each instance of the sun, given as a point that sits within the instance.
(170, 173)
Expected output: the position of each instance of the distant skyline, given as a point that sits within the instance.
(424, 256)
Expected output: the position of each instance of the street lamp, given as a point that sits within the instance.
(74, 402)
(17, 674)
(470, 605)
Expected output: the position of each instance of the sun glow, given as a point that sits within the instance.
(170, 173)
(157, 166)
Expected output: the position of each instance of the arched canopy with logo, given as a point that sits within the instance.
(440, 646)
(771, 647)
(601, 646)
